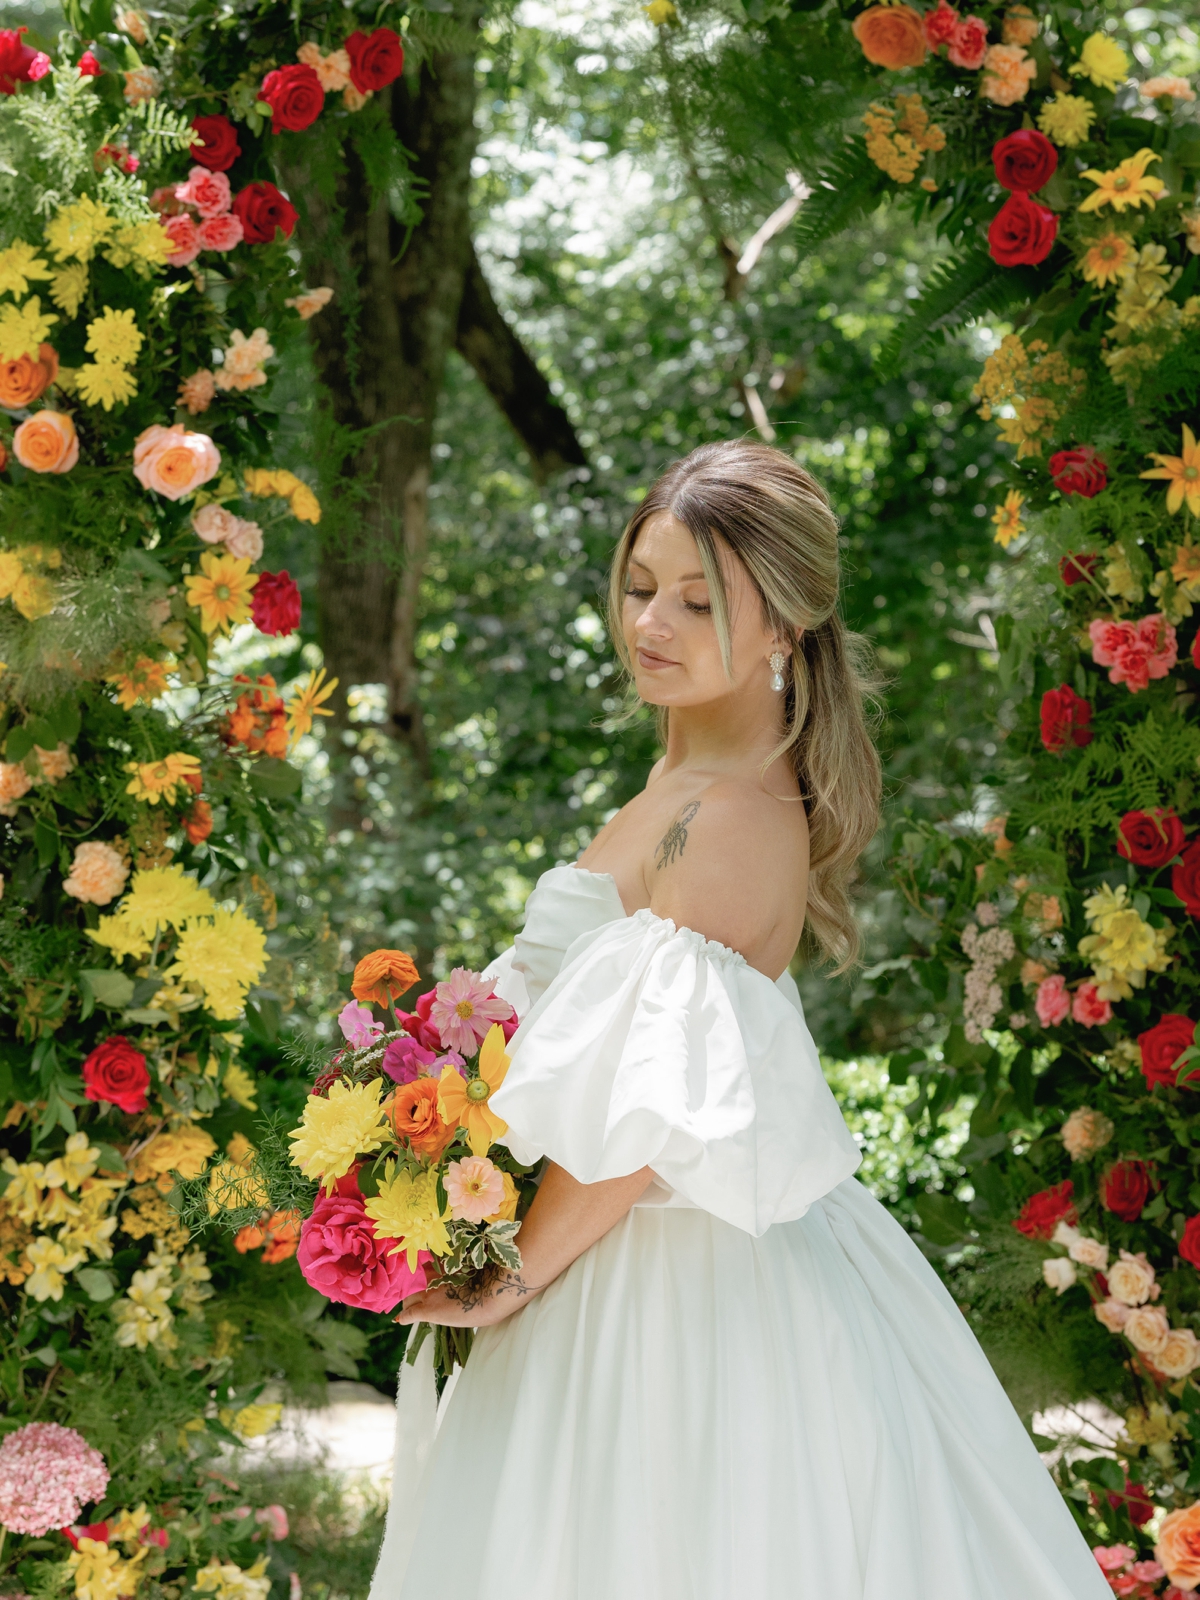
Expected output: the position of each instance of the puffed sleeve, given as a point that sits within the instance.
(656, 1047)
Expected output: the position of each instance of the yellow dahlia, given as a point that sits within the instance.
(338, 1128)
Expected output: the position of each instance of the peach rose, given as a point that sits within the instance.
(891, 36)
(47, 442)
(1180, 1355)
(1131, 1280)
(1178, 1547)
(214, 524)
(1147, 1329)
(246, 540)
(1007, 74)
(1084, 1132)
(1089, 1253)
(1112, 1314)
(98, 874)
(14, 782)
(173, 461)
(25, 380)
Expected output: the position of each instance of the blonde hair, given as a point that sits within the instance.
(776, 519)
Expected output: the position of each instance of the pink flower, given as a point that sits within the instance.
(174, 461)
(223, 232)
(208, 191)
(1112, 1313)
(48, 1473)
(1088, 1008)
(342, 1259)
(404, 1059)
(1147, 1571)
(1113, 1557)
(1134, 652)
(185, 239)
(463, 1010)
(1052, 1002)
(274, 1519)
(358, 1025)
(474, 1188)
(968, 43)
(940, 24)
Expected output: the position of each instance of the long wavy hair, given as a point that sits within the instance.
(776, 519)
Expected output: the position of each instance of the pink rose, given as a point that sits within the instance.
(223, 232)
(1134, 653)
(208, 191)
(185, 239)
(213, 523)
(1052, 1002)
(341, 1258)
(173, 461)
(968, 43)
(1088, 1008)
(246, 540)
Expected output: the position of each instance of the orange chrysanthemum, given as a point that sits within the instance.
(383, 976)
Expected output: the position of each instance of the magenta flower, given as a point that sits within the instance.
(463, 1010)
(48, 1473)
(358, 1025)
(405, 1059)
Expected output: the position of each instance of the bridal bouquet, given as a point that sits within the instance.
(399, 1133)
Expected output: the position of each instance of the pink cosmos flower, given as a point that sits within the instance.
(1114, 1556)
(48, 1473)
(223, 232)
(1087, 1007)
(463, 1010)
(274, 1519)
(474, 1188)
(358, 1025)
(208, 191)
(185, 239)
(1052, 1002)
(1133, 652)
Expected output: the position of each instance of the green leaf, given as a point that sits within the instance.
(18, 744)
(66, 720)
(108, 987)
(95, 1283)
(272, 778)
(957, 291)
(149, 1015)
(1003, 625)
(45, 837)
(1102, 1472)
(944, 1220)
(110, 1160)
(1020, 1076)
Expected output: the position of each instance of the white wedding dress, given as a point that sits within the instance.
(754, 1387)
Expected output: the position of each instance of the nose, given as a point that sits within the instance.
(651, 623)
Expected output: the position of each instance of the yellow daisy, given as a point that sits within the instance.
(1126, 185)
(221, 592)
(308, 702)
(1007, 518)
(153, 781)
(1182, 472)
(1106, 259)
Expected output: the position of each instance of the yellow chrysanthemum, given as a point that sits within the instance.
(68, 289)
(23, 329)
(140, 245)
(221, 592)
(1182, 472)
(153, 781)
(1106, 259)
(1102, 61)
(406, 1209)
(338, 1128)
(1126, 185)
(1122, 948)
(79, 229)
(104, 383)
(225, 957)
(114, 336)
(307, 702)
(145, 680)
(161, 897)
(1067, 119)
(20, 265)
(1007, 518)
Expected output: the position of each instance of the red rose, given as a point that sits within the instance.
(342, 1259)
(116, 1072)
(376, 59)
(1073, 569)
(1149, 838)
(275, 605)
(1185, 878)
(1136, 1501)
(1126, 1189)
(968, 43)
(1022, 233)
(1065, 718)
(1162, 1046)
(261, 209)
(89, 67)
(1196, 651)
(16, 59)
(1024, 161)
(940, 24)
(216, 146)
(295, 96)
(1079, 471)
(1043, 1212)
(1189, 1245)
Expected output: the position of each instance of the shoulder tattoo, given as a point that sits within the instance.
(672, 842)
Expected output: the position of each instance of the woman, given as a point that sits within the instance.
(723, 1370)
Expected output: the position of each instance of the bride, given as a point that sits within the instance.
(723, 1370)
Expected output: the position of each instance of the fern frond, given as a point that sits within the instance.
(849, 187)
(956, 291)
(162, 130)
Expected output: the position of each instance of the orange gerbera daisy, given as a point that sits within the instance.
(221, 591)
(145, 680)
(1126, 185)
(383, 976)
(1106, 259)
(467, 1101)
(1182, 472)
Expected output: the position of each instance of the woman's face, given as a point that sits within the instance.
(669, 628)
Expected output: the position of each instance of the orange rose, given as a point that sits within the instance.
(383, 975)
(25, 380)
(413, 1113)
(174, 461)
(891, 36)
(1178, 1546)
(47, 442)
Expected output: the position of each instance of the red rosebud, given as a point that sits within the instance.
(89, 67)
(417, 1025)
(376, 59)
(16, 60)
(1024, 161)
(116, 1072)
(295, 96)
(1043, 1212)
(1022, 233)
(1073, 569)
(1065, 719)
(262, 209)
(1185, 878)
(1196, 651)
(1189, 1245)
(1125, 1189)
(216, 146)
(276, 603)
(1080, 471)
(1162, 1046)
(1149, 838)
(1137, 1502)
(940, 24)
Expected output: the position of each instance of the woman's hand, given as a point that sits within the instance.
(496, 1298)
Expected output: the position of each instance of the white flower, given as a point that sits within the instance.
(1059, 1273)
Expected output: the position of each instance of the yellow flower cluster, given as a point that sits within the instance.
(264, 482)
(113, 340)
(22, 581)
(228, 1581)
(234, 1182)
(79, 230)
(99, 1572)
(1146, 321)
(251, 1422)
(62, 1193)
(1122, 948)
(898, 140)
(1037, 389)
(149, 1216)
(24, 329)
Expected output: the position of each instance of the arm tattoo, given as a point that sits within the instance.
(471, 1296)
(672, 842)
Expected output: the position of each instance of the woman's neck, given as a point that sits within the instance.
(726, 736)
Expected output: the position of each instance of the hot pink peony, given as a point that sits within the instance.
(48, 1473)
(342, 1259)
(1134, 652)
(1052, 1002)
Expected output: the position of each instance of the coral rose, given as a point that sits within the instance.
(342, 1259)
(98, 874)
(221, 233)
(1150, 838)
(968, 44)
(295, 96)
(184, 237)
(1147, 1328)
(1022, 233)
(891, 36)
(216, 146)
(116, 1072)
(1065, 717)
(1178, 1547)
(174, 461)
(376, 59)
(1161, 1047)
(413, 1112)
(384, 975)
(25, 380)
(207, 191)
(940, 24)
(246, 541)
(1185, 878)
(1089, 1008)
(1080, 471)
(276, 604)
(47, 442)
(1042, 1212)
(1125, 1189)
(261, 209)
(1131, 1279)
(213, 523)
(1052, 1002)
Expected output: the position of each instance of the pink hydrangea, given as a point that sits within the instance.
(1134, 652)
(1088, 1008)
(48, 1473)
(1052, 1002)
(463, 1010)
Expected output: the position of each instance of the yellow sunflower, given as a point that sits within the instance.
(221, 592)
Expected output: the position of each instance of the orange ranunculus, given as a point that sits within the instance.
(25, 380)
(283, 1235)
(1178, 1546)
(413, 1113)
(891, 36)
(383, 975)
(248, 1238)
(47, 442)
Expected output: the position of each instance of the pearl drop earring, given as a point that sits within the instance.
(777, 671)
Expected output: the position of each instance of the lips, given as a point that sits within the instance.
(647, 658)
